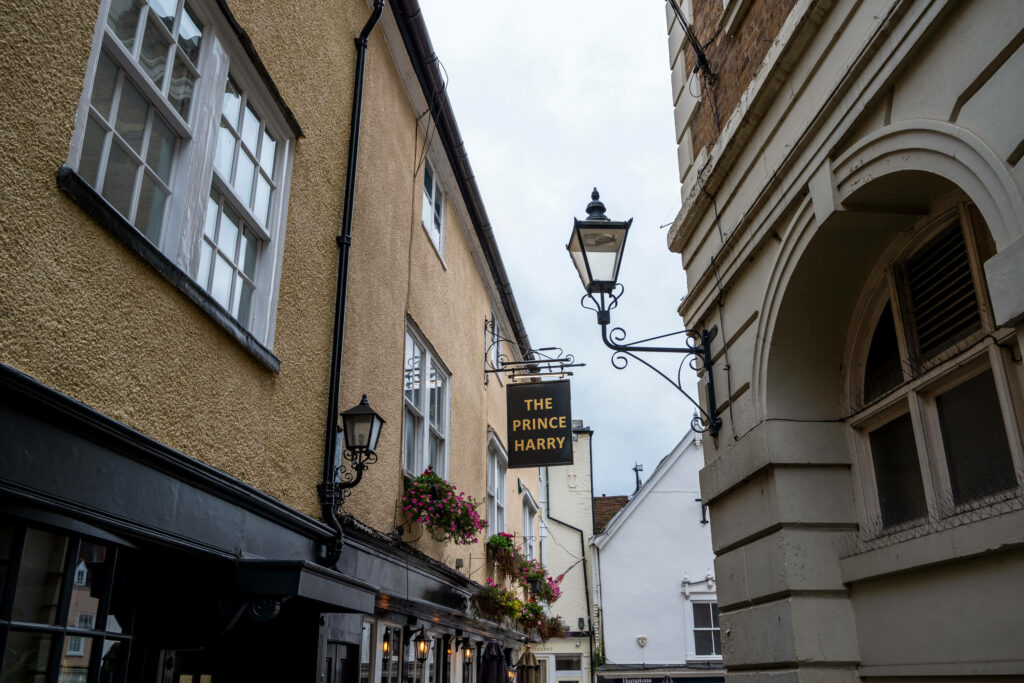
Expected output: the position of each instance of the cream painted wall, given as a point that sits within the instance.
(87, 317)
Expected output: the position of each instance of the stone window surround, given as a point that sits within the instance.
(691, 596)
(878, 552)
(176, 257)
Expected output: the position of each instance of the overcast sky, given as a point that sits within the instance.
(552, 99)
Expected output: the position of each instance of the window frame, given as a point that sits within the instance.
(985, 349)
(175, 254)
(692, 628)
(425, 430)
(437, 240)
(497, 463)
(530, 510)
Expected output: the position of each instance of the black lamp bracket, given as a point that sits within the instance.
(543, 362)
(347, 476)
(696, 346)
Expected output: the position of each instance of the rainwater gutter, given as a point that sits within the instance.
(329, 495)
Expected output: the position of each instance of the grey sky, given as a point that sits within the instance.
(553, 98)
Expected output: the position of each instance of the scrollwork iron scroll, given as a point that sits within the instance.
(696, 345)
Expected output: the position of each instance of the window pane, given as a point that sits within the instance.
(413, 358)
(123, 594)
(7, 535)
(883, 371)
(123, 19)
(701, 615)
(92, 150)
(160, 155)
(243, 177)
(103, 85)
(897, 472)
(268, 153)
(247, 254)
(409, 435)
(120, 179)
(227, 235)
(225, 153)
(131, 115)
(179, 93)
(165, 11)
(231, 103)
(250, 128)
(717, 637)
(714, 614)
(37, 596)
(436, 397)
(190, 34)
(703, 643)
(435, 454)
(26, 656)
(567, 663)
(153, 57)
(438, 210)
(210, 226)
(244, 308)
(149, 216)
(974, 436)
(220, 288)
(205, 256)
(428, 181)
(261, 204)
(426, 215)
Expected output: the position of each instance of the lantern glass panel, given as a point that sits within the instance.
(603, 248)
(358, 429)
(578, 260)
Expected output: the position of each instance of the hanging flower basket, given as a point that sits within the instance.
(535, 579)
(494, 602)
(552, 627)
(504, 553)
(448, 514)
(531, 615)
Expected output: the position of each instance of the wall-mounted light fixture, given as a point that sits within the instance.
(467, 652)
(421, 644)
(596, 245)
(385, 647)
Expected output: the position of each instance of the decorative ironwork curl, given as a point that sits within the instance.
(541, 362)
(695, 344)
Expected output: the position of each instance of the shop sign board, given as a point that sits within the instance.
(539, 424)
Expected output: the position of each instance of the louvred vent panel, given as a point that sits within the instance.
(943, 303)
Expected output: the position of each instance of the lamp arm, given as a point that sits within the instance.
(359, 464)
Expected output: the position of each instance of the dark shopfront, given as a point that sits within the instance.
(123, 560)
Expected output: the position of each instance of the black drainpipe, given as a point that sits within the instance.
(330, 496)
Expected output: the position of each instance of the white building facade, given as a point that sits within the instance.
(654, 579)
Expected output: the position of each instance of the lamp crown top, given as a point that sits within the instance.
(595, 209)
(364, 401)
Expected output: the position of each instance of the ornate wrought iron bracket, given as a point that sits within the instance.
(696, 345)
(549, 361)
(346, 477)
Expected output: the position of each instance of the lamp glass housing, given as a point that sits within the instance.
(385, 645)
(362, 427)
(596, 248)
(467, 652)
(422, 644)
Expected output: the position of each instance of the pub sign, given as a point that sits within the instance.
(539, 424)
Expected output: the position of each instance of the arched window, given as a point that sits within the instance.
(936, 394)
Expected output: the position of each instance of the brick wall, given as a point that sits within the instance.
(735, 58)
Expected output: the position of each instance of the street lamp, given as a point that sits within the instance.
(596, 245)
(385, 647)
(422, 645)
(467, 652)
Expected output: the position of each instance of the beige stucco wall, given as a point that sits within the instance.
(84, 315)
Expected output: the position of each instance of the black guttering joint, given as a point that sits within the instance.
(109, 218)
(328, 494)
(424, 62)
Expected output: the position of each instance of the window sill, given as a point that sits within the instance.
(97, 207)
(1000, 532)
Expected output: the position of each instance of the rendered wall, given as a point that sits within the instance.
(87, 317)
(643, 560)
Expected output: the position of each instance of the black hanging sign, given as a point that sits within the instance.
(539, 424)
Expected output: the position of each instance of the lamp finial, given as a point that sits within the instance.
(595, 209)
